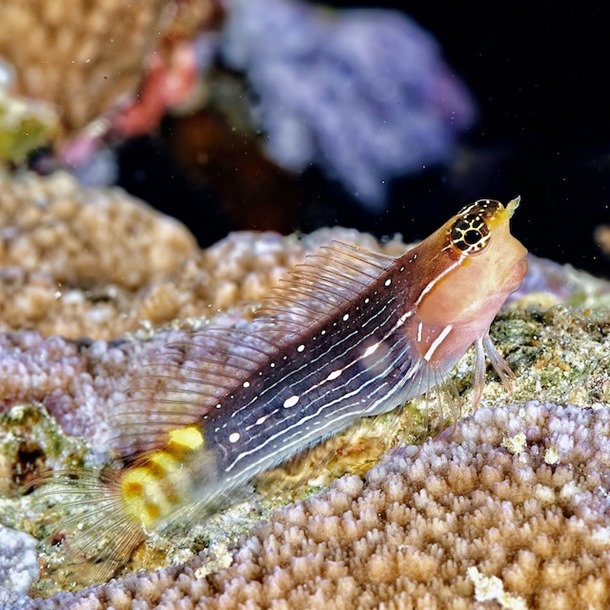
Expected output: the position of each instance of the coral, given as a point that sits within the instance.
(98, 263)
(238, 271)
(81, 58)
(63, 247)
(18, 563)
(58, 397)
(364, 92)
(77, 382)
(81, 383)
(52, 226)
(89, 58)
(459, 522)
(548, 283)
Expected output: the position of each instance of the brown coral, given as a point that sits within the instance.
(74, 234)
(62, 245)
(602, 238)
(81, 56)
(96, 262)
(86, 57)
(457, 523)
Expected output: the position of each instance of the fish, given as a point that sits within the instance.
(348, 334)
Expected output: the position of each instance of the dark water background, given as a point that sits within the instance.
(539, 76)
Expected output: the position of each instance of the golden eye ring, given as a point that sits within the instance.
(470, 233)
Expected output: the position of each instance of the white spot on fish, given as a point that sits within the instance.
(290, 402)
(334, 375)
(218, 406)
(246, 384)
(419, 329)
(346, 317)
(370, 350)
(233, 438)
(258, 422)
(388, 282)
(367, 300)
(300, 348)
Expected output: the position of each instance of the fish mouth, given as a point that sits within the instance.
(515, 279)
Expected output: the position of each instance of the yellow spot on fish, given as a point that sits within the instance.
(162, 463)
(189, 438)
(143, 497)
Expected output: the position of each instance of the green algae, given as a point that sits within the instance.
(25, 125)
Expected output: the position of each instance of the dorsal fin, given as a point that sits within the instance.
(186, 379)
(323, 283)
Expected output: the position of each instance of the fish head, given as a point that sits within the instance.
(476, 264)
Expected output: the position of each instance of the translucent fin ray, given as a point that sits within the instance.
(187, 378)
(324, 282)
(96, 534)
(502, 368)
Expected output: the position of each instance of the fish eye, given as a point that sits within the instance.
(470, 233)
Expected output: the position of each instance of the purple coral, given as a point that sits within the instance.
(362, 93)
(18, 564)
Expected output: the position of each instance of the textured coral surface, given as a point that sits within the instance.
(97, 65)
(81, 56)
(96, 262)
(71, 257)
(509, 511)
(322, 99)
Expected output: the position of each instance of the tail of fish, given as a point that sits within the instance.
(108, 514)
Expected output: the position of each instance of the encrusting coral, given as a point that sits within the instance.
(53, 226)
(507, 511)
(558, 350)
(18, 560)
(97, 262)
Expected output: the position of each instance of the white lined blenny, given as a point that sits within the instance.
(349, 333)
